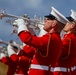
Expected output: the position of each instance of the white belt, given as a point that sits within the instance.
(63, 69)
(40, 67)
(73, 68)
(59, 69)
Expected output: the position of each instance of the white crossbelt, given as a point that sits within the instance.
(40, 67)
(52, 69)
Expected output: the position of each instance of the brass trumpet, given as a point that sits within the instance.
(3, 42)
(32, 23)
(3, 14)
(7, 43)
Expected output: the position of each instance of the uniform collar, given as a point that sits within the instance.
(71, 34)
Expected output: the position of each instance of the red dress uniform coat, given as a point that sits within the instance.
(29, 50)
(23, 59)
(67, 59)
(11, 65)
(47, 53)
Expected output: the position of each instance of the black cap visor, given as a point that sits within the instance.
(50, 16)
(70, 19)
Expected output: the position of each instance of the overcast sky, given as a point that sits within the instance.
(31, 7)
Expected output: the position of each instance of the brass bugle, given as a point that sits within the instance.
(6, 43)
(3, 14)
(16, 17)
(30, 25)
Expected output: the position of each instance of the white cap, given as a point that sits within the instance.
(73, 15)
(59, 16)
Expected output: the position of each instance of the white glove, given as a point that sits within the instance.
(2, 55)
(19, 22)
(42, 31)
(16, 45)
(10, 50)
(21, 25)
